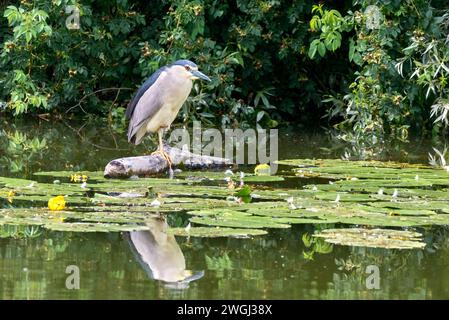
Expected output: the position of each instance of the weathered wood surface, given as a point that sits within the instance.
(156, 164)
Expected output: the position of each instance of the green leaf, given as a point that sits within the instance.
(321, 49)
(351, 50)
(313, 48)
(245, 191)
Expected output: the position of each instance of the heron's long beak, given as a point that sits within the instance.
(200, 75)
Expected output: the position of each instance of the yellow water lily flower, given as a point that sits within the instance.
(10, 195)
(57, 203)
(262, 170)
(78, 177)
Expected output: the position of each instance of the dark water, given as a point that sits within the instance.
(268, 267)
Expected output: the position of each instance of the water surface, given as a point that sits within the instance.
(266, 267)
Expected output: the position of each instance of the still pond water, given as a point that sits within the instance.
(265, 267)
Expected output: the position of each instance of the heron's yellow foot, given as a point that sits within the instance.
(164, 155)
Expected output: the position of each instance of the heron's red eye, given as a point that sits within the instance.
(187, 68)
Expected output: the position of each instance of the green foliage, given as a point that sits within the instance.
(378, 74)
(245, 47)
(428, 59)
(331, 24)
(393, 88)
(46, 66)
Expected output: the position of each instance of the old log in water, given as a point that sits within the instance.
(155, 163)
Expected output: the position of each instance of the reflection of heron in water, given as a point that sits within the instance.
(160, 255)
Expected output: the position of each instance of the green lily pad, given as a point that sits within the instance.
(373, 238)
(238, 220)
(256, 178)
(206, 232)
(93, 227)
(369, 193)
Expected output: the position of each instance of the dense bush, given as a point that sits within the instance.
(401, 74)
(253, 50)
(271, 61)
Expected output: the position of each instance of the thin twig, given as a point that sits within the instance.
(109, 118)
(77, 131)
(93, 93)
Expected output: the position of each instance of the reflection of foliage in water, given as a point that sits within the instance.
(269, 267)
(12, 231)
(315, 245)
(219, 263)
(29, 147)
(21, 150)
(349, 282)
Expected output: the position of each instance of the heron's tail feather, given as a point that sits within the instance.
(136, 132)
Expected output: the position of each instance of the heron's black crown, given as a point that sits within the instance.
(185, 63)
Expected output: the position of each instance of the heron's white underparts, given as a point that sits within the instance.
(155, 163)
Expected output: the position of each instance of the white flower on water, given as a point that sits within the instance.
(242, 174)
(337, 199)
(330, 182)
(290, 202)
(314, 188)
(155, 203)
(395, 193)
(84, 185)
(380, 192)
(227, 179)
(416, 177)
(229, 172)
(187, 229)
(31, 185)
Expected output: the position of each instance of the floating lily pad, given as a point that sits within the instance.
(262, 178)
(206, 232)
(93, 227)
(16, 183)
(373, 238)
(239, 220)
(370, 193)
(217, 212)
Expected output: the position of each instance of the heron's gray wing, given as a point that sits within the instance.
(146, 85)
(145, 105)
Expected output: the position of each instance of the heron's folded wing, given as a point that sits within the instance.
(148, 104)
(146, 85)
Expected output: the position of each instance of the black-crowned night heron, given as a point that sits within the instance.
(158, 101)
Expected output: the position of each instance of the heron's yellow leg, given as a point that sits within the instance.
(160, 150)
